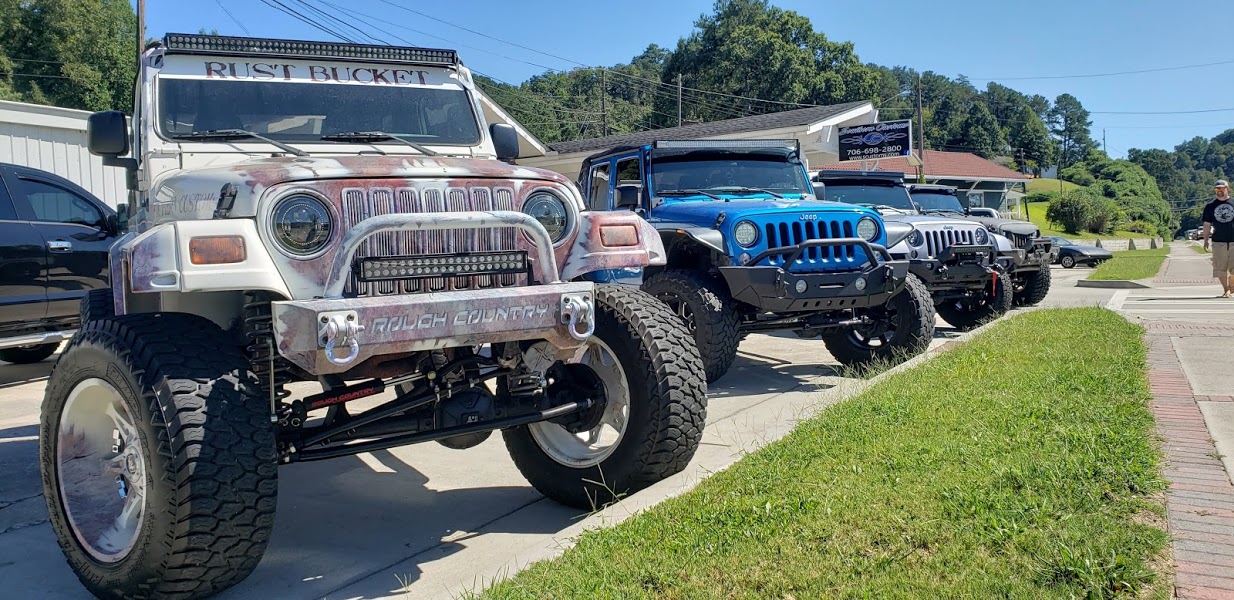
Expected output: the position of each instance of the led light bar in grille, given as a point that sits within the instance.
(441, 265)
(216, 44)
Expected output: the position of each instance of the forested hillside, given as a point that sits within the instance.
(1186, 175)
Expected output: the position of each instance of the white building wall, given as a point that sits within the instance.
(54, 139)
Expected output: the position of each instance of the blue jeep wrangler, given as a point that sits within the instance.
(750, 249)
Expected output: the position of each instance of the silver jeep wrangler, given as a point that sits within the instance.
(340, 214)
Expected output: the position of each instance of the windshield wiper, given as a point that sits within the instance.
(942, 210)
(376, 136)
(221, 134)
(689, 193)
(747, 190)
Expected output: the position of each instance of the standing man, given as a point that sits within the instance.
(1219, 222)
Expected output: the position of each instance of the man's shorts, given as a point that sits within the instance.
(1223, 258)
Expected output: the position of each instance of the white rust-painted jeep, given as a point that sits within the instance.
(333, 213)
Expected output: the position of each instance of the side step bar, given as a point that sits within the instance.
(37, 339)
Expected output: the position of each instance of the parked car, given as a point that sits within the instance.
(1029, 262)
(1071, 254)
(54, 240)
(979, 211)
(963, 266)
(419, 262)
(751, 249)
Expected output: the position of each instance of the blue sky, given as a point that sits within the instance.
(980, 39)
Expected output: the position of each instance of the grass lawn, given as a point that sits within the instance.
(1036, 214)
(1045, 186)
(1131, 264)
(991, 471)
(1199, 248)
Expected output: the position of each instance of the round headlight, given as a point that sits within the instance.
(302, 225)
(746, 234)
(980, 236)
(867, 229)
(915, 238)
(551, 212)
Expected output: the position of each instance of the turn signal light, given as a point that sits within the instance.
(217, 250)
(618, 236)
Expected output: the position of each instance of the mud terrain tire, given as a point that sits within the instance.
(667, 408)
(914, 328)
(712, 318)
(207, 454)
(1036, 286)
(965, 316)
(97, 304)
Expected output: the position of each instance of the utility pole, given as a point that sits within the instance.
(920, 135)
(603, 101)
(141, 28)
(679, 99)
(1104, 147)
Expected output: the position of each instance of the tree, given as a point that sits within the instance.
(1070, 123)
(1029, 135)
(980, 133)
(73, 53)
(749, 48)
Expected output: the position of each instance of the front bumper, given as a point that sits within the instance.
(1019, 260)
(777, 289)
(410, 323)
(959, 267)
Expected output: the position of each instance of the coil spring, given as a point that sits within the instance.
(259, 345)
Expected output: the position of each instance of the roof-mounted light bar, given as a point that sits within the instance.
(745, 144)
(188, 43)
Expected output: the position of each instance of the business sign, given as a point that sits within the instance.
(876, 140)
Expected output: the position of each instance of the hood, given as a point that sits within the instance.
(928, 220)
(1086, 249)
(194, 193)
(705, 213)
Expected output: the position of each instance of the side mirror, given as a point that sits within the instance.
(107, 134)
(505, 141)
(628, 196)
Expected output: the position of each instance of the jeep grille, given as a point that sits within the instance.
(360, 204)
(1021, 241)
(791, 234)
(938, 240)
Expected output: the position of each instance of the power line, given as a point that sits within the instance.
(1113, 74)
(1162, 112)
(233, 17)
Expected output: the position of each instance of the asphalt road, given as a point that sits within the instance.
(425, 521)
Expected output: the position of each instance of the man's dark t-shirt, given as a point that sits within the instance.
(1221, 215)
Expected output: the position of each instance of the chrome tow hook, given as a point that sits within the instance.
(340, 329)
(576, 310)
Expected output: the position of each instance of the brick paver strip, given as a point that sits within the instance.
(1200, 499)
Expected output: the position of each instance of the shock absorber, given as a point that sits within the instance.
(264, 361)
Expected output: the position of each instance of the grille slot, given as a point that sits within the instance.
(791, 234)
(938, 240)
(359, 204)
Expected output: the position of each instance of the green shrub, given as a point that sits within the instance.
(1104, 216)
(1071, 211)
(1143, 227)
(1041, 197)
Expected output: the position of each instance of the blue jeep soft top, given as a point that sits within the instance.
(751, 249)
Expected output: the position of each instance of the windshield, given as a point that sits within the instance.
(302, 112)
(869, 195)
(928, 201)
(1062, 242)
(775, 176)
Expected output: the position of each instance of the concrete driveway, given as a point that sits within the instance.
(425, 521)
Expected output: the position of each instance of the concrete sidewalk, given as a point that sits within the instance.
(1190, 336)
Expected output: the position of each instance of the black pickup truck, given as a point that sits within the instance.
(54, 239)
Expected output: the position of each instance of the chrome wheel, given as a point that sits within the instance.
(587, 448)
(101, 470)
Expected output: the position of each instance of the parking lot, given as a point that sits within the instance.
(426, 521)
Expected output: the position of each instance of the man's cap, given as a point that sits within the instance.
(1221, 183)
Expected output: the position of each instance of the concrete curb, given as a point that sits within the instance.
(1112, 283)
(803, 401)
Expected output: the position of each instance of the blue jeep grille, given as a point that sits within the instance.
(778, 234)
